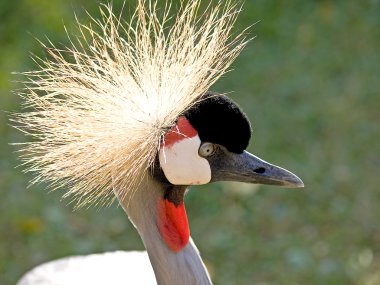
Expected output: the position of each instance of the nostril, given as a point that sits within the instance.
(260, 170)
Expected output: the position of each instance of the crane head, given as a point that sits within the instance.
(208, 144)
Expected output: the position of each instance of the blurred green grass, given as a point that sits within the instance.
(309, 82)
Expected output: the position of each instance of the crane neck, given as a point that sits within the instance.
(178, 264)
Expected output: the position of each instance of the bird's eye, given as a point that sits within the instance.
(207, 149)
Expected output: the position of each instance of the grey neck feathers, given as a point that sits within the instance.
(185, 267)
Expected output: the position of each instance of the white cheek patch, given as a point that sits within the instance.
(182, 164)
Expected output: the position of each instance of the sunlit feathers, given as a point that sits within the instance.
(97, 109)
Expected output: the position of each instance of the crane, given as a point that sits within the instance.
(125, 113)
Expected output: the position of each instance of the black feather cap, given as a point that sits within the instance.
(219, 120)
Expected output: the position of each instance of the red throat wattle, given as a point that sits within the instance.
(173, 224)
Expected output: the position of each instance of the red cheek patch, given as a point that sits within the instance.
(173, 224)
(181, 131)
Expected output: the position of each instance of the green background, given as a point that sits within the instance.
(309, 83)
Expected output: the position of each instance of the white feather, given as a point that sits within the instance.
(116, 268)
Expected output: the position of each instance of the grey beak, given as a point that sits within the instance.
(246, 167)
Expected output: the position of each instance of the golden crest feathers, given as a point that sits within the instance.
(97, 109)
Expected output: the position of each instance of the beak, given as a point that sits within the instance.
(246, 167)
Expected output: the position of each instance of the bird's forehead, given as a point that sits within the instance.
(218, 119)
